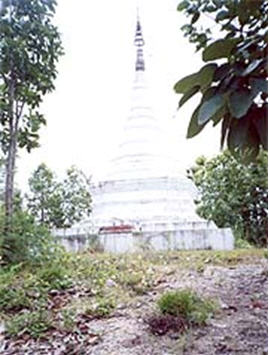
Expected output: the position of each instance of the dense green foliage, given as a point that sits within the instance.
(55, 203)
(42, 200)
(76, 198)
(233, 194)
(26, 241)
(30, 47)
(233, 83)
(186, 304)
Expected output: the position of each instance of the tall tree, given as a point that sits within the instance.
(233, 83)
(30, 46)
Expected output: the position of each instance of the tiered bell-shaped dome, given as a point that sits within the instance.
(141, 189)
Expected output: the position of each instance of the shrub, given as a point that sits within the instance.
(233, 194)
(186, 304)
(26, 241)
(54, 276)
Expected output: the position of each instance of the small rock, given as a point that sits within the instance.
(110, 283)
(218, 325)
(121, 306)
(53, 292)
(224, 306)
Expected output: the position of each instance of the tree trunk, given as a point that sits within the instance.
(11, 154)
(10, 172)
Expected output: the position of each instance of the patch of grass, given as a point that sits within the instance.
(102, 308)
(186, 304)
(138, 282)
(54, 277)
(33, 323)
(13, 299)
(68, 319)
(132, 279)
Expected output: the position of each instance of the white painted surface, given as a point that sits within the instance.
(188, 239)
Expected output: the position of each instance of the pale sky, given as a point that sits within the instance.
(86, 112)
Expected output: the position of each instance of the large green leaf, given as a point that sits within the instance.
(194, 128)
(243, 138)
(195, 17)
(240, 102)
(237, 133)
(206, 74)
(203, 78)
(185, 84)
(219, 49)
(188, 95)
(183, 5)
(222, 15)
(210, 108)
(219, 115)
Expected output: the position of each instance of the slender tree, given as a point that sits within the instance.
(30, 47)
(76, 196)
(40, 200)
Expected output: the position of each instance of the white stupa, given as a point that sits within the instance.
(143, 199)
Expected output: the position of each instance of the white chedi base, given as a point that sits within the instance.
(161, 212)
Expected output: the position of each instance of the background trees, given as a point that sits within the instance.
(233, 83)
(42, 186)
(59, 204)
(233, 194)
(30, 47)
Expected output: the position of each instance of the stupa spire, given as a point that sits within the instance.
(139, 43)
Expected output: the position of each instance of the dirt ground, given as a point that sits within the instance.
(239, 326)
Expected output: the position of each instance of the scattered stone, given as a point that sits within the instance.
(110, 283)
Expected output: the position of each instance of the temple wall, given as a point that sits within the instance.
(215, 239)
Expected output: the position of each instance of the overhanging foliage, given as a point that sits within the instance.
(234, 82)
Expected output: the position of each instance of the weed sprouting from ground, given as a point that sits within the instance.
(178, 311)
(186, 304)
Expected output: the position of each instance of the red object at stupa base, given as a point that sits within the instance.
(123, 228)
